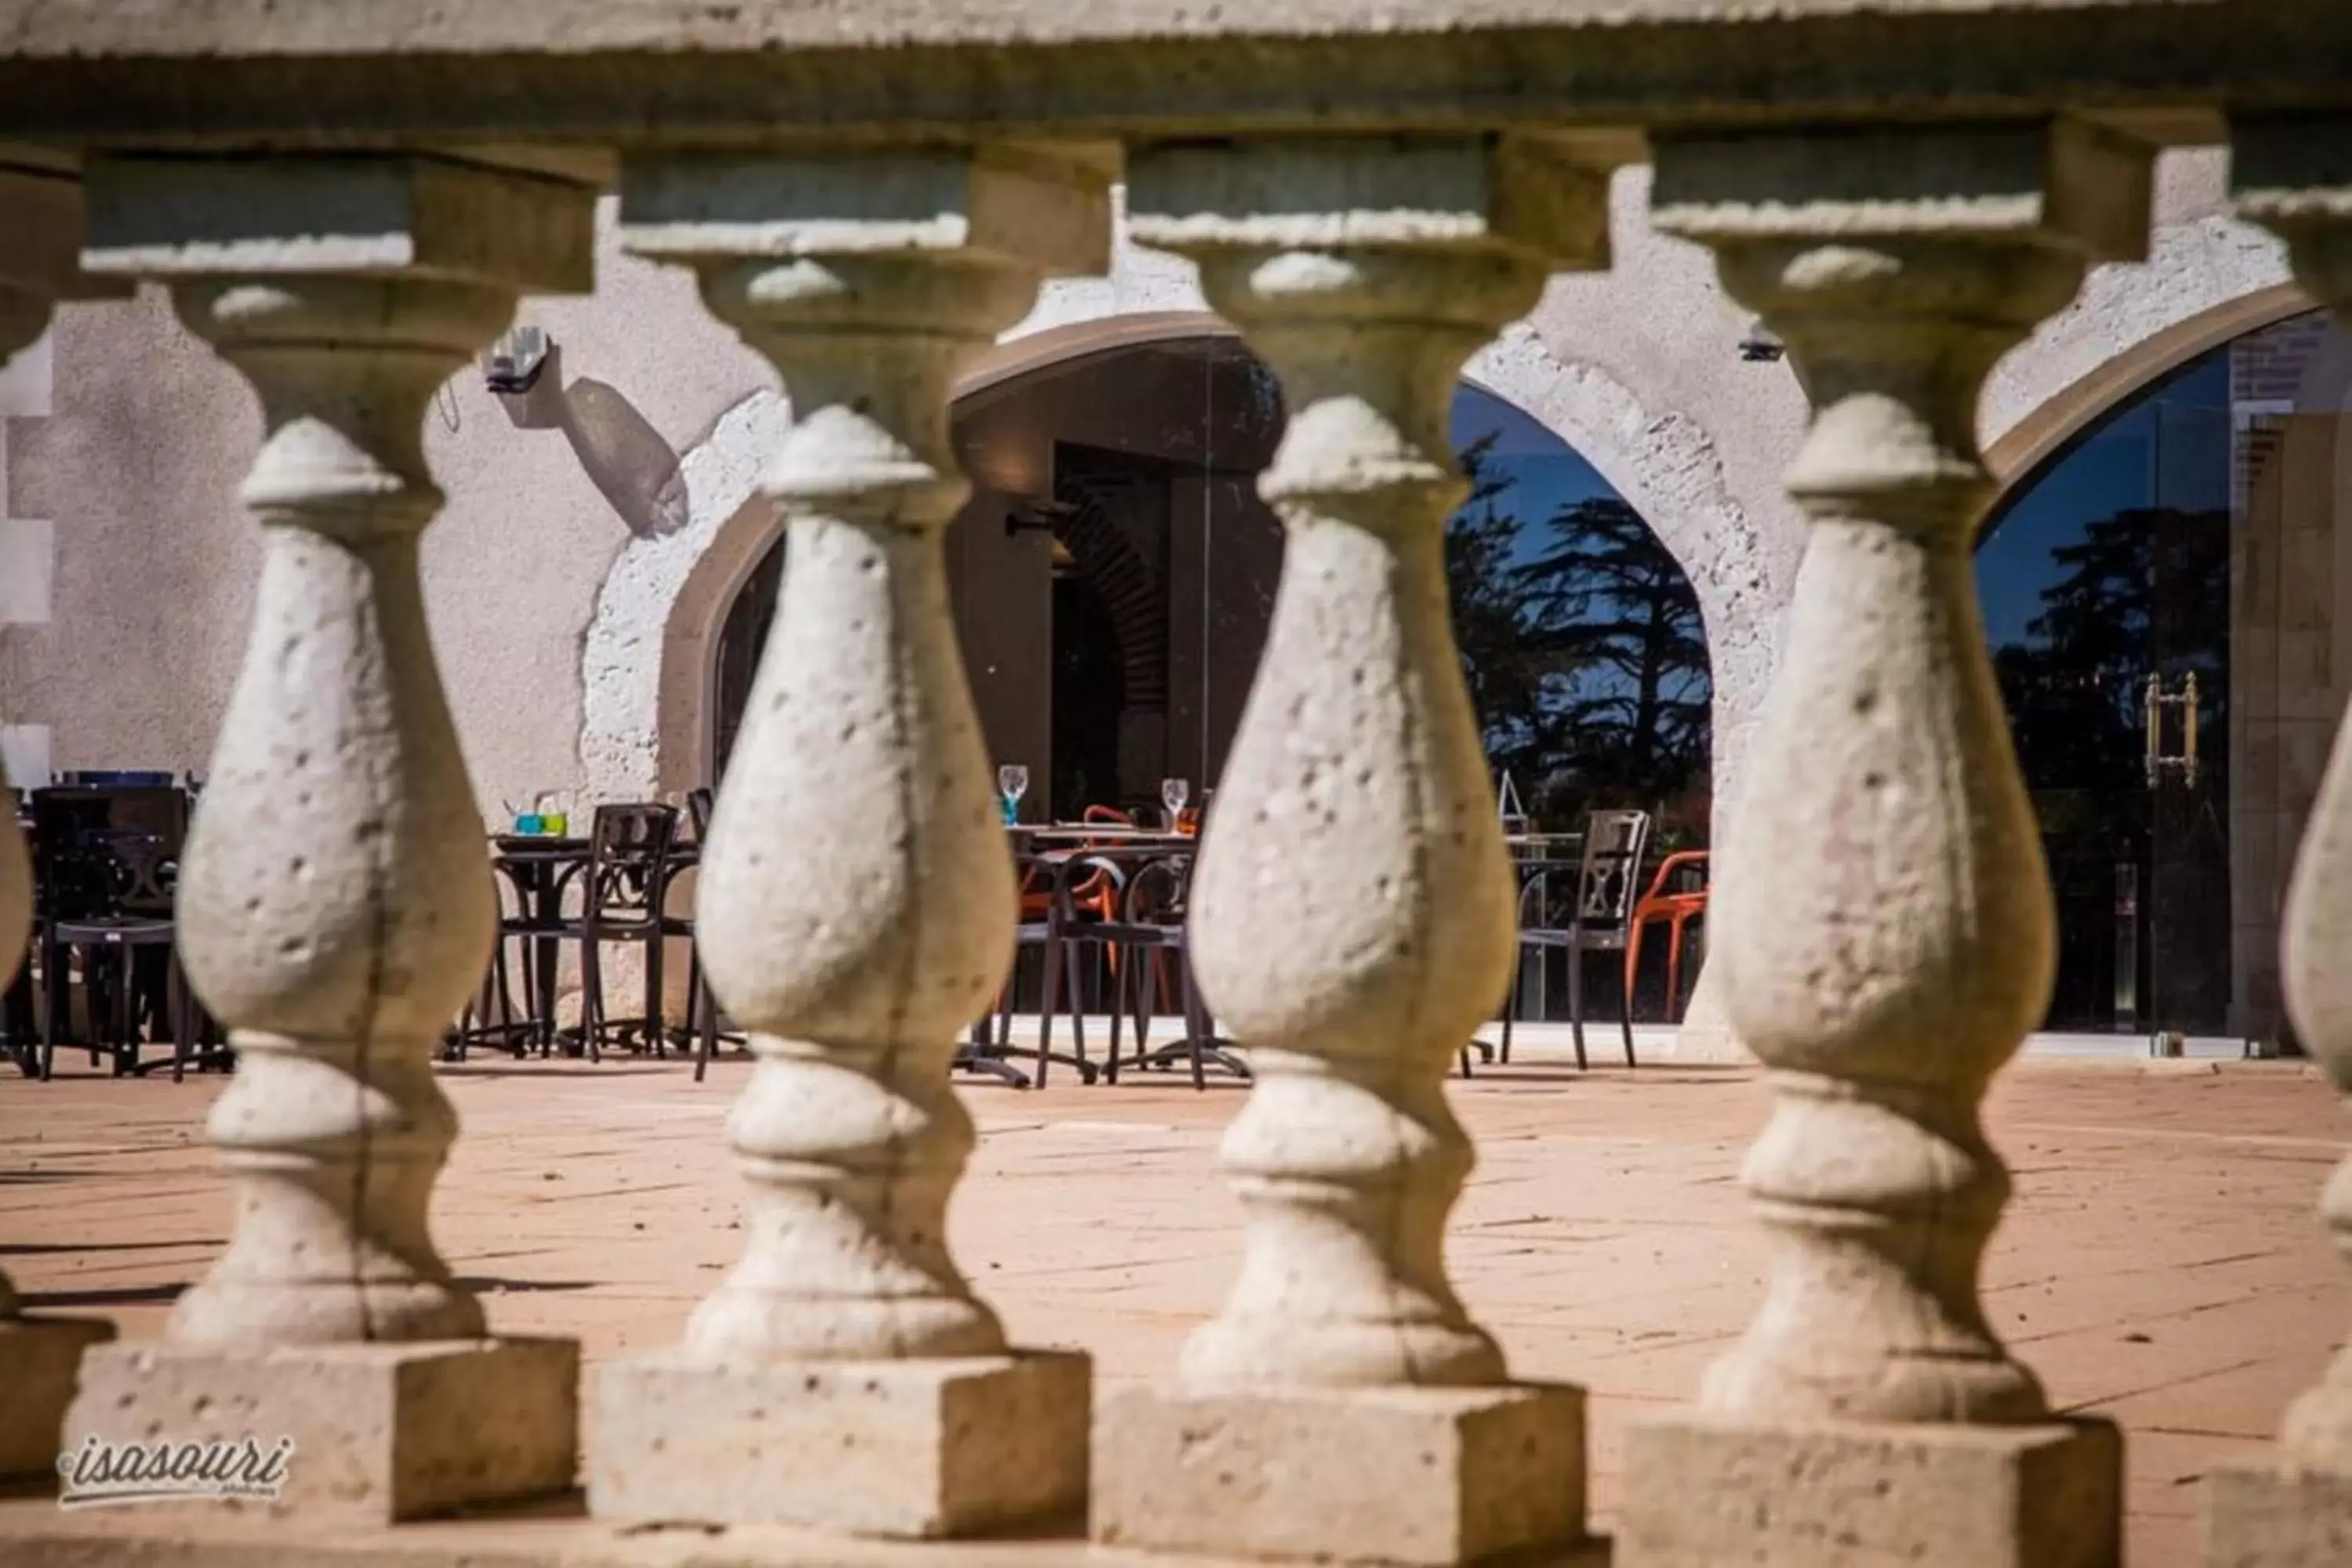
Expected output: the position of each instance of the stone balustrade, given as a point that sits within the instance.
(346, 207)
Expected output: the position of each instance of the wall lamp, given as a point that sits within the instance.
(1761, 345)
(513, 363)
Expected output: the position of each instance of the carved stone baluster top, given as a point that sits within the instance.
(1353, 912)
(856, 902)
(1885, 918)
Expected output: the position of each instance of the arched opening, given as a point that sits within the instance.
(1128, 569)
(1115, 570)
(2170, 622)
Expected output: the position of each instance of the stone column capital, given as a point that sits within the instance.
(1543, 199)
(389, 215)
(2063, 183)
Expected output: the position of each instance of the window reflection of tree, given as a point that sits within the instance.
(1585, 653)
(2142, 591)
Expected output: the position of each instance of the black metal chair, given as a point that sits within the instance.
(1592, 913)
(105, 860)
(630, 861)
(1153, 930)
(705, 1021)
(1052, 885)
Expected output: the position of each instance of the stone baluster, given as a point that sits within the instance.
(2293, 1509)
(41, 231)
(334, 903)
(1884, 920)
(1353, 914)
(856, 903)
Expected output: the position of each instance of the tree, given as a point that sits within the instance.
(1583, 648)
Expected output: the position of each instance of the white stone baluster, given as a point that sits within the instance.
(334, 903)
(1353, 914)
(1884, 917)
(856, 903)
(2294, 1510)
(40, 231)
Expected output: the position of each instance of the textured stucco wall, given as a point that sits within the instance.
(137, 471)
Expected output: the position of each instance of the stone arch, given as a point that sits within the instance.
(2203, 284)
(648, 659)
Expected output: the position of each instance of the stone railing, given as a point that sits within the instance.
(347, 201)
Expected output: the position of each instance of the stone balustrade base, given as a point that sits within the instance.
(915, 1449)
(382, 1431)
(38, 1358)
(2270, 1516)
(1368, 1476)
(554, 1536)
(1701, 1492)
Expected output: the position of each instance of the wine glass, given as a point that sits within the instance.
(1173, 794)
(1012, 783)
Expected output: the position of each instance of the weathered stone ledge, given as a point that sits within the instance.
(35, 1534)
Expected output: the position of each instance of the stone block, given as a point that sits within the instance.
(1705, 1492)
(1375, 1476)
(382, 1431)
(39, 1358)
(2272, 1516)
(911, 1449)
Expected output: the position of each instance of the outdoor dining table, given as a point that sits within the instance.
(541, 866)
(1071, 850)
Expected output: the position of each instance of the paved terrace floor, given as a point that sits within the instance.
(2162, 1263)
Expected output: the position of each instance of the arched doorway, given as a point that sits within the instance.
(1115, 572)
(1114, 576)
(2162, 595)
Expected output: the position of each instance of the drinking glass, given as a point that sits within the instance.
(1173, 794)
(1012, 783)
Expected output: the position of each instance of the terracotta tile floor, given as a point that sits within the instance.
(2162, 1263)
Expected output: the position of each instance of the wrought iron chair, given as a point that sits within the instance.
(1677, 896)
(622, 898)
(1598, 907)
(106, 860)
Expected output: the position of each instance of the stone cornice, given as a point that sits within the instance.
(141, 72)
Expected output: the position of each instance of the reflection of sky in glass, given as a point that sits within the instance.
(2168, 446)
(1547, 472)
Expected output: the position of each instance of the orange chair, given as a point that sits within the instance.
(1674, 909)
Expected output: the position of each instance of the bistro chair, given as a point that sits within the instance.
(1597, 903)
(533, 878)
(630, 861)
(1676, 896)
(1154, 924)
(105, 861)
(704, 1020)
(1050, 907)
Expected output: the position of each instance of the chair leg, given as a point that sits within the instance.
(1049, 1005)
(1625, 1017)
(126, 1011)
(591, 995)
(183, 1026)
(703, 1020)
(1576, 1002)
(1117, 1012)
(1072, 957)
(1674, 969)
(1196, 1026)
(1634, 962)
(1511, 1003)
(53, 991)
(656, 1005)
